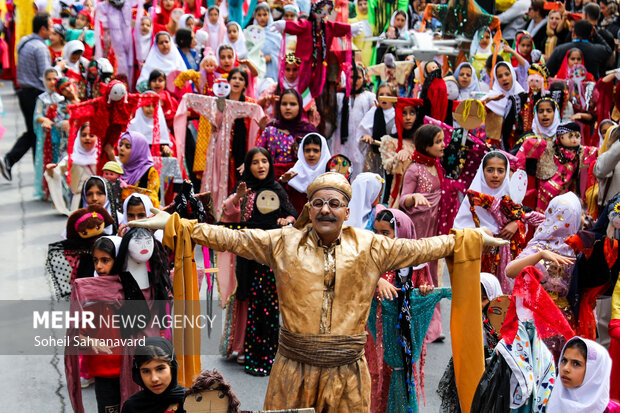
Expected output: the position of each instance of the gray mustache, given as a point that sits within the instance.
(328, 218)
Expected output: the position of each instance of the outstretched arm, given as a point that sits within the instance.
(514, 268)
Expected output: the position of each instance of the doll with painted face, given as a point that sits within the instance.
(258, 202)
(71, 258)
(210, 392)
(561, 165)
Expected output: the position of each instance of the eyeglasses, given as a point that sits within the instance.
(332, 203)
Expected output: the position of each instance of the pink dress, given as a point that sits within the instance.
(418, 179)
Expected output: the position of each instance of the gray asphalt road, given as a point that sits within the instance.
(37, 383)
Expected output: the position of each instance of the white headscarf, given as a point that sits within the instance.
(464, 218)
(500, 107)
(306, 173)
(262, 5)
(547, 132)
(217, 31)
(141, 123)
(406, 22)
(366, 188)
(183, 21)
(491, 285)
(217, 54)
(239, 46)
(165, 62)
(81, 156)
(467, 92)
(146, 201)
(143, 41)
(70, 48)
(116, 240)
(593, 394)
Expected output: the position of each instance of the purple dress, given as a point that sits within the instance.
(278, 143)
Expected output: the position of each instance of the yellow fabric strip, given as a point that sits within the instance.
(465, 319)
(186, 341)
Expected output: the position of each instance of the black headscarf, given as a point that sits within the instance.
(146, 401)
(298, 126)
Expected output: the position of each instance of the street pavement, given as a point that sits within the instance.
(27, 226)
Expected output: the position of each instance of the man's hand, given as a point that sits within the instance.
(157, 221)
(385, 290)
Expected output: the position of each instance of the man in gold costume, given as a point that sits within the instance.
(326, 276)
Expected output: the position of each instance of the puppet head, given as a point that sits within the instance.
(267, 201)
(539, 69)
(255, 34)
(88, 223)
(209, 63)
(569, 135)
(116, 91)
(535, 82)
(210, 392)
(221, 88)
(321, 9)
(452, 87)
(141, 246)
(112, 171)
(340, 164)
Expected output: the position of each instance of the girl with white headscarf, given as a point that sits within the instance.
(504, 121)
(543, 126)
(466, 90)
(183, 22)
(77, 63)
(305, 173)
(366, 190)
(238, 42)
(143, 122)
(163, 56)
(590, 362)
(214, 25)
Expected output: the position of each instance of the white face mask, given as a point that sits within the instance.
(141, 248)
(452, 89)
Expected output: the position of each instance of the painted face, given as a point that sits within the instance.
(384, 228)
(124, 151)
(262, 17)
(259, 166)
(221, 89)
(431, 67)
(141, 247)
(572, 368)
(209, 66)
(110, 176)
(289, 108)
(494, 172)
(545, 113)
(227, 59)
(255, 33)
(577, 73)
(312, 153)
(118, 92)
(95, 196)
(148, 110)
(163, 44)
(91, 232)
(158, 84)
(452, 89)
(135, 212)
(574, 58)
(465, 76)
(156, 375)
(103, 262)
(145, 26)
(571, 139)
(400, 21)
(237, 83)
(391, 32)
(233, 32)
(214, 15)
(436, 150)
(87, 139)
(409, 117)
(50, 80)
(291, 72)
(535, 82)
(504, 77)
(267, 201)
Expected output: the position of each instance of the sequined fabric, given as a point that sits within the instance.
(278, 143)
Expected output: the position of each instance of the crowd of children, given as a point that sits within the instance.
(251, 101)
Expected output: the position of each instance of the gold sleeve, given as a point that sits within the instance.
(253, 244)
(392, 254)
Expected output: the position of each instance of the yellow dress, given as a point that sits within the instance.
(325, 292)
(151, 190)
